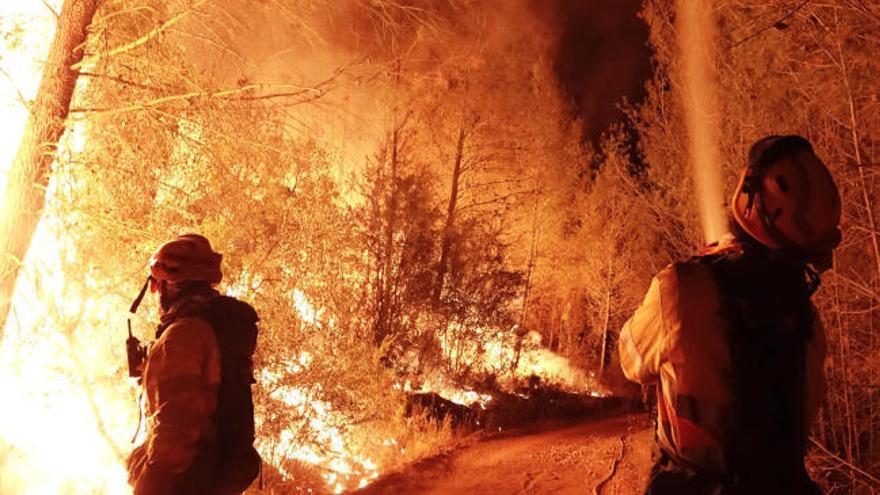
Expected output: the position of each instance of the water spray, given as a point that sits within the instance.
(695, 27)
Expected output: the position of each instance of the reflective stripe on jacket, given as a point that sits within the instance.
(676, 339)
(181, 377)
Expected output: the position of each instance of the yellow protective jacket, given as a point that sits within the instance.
(180, 382)
(676, 339)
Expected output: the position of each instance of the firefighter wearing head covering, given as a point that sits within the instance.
(181, 374)
(732, 341)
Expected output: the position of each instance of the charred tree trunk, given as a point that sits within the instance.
(25, 193)
(448, 228)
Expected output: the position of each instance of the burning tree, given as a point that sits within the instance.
(25, 192)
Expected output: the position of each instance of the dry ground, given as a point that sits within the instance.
(570, 460)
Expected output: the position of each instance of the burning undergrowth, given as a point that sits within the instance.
(323, 429)
(509, 382)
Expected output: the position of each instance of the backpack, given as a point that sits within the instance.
(235, 326)
(766, 305)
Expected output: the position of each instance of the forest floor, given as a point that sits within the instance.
(571, 459)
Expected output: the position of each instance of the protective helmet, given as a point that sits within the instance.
(185, 259)
(786, 197)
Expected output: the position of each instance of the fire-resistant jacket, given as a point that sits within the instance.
(180, 380)
(676, 338)
(181, 377)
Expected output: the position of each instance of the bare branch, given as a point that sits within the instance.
(21, 97)
(223, 93)
(768, 26)
(142, 40)
(850, 465)
(49, 7)
(120, 80)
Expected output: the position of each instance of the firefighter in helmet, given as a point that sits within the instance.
(181, 374)
(732, 341)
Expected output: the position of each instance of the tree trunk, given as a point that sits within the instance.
(383, 323)
(446, 243)
(603, 356)
(533, 255)
(25, 193)
(609, 288)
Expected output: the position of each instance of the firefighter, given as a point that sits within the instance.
(181, 374)
(732, 341)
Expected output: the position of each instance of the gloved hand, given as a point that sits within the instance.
(137, 461)
(156, 481)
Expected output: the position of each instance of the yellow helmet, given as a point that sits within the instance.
(787, 199)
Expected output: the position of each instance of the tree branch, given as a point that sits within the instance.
(18, 92)
(142, 40)
(768, 26)
(850, 465)
(120, 80)
(53, 11)
(223, 93)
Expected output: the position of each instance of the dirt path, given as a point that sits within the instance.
(571, 460)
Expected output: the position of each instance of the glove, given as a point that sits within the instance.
(137, 461)
(156, 481)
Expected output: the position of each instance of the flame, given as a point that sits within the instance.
(71, 410)
(496, 356)
(342, 468)
(307, 312)
(69, 427)
(446, 388)
(73, 414)
(57, 434)
(498, 353)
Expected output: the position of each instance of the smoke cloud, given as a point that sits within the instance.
(602, 57)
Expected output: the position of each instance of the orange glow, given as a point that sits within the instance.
(446, 388)
(68, 432)
(21, 64)
(342, 468)
(497, 354)
(62, 353)
(62, 434)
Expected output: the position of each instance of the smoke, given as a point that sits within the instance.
(602, 57)
(697, 41)
(598, 51)
(538, 360)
